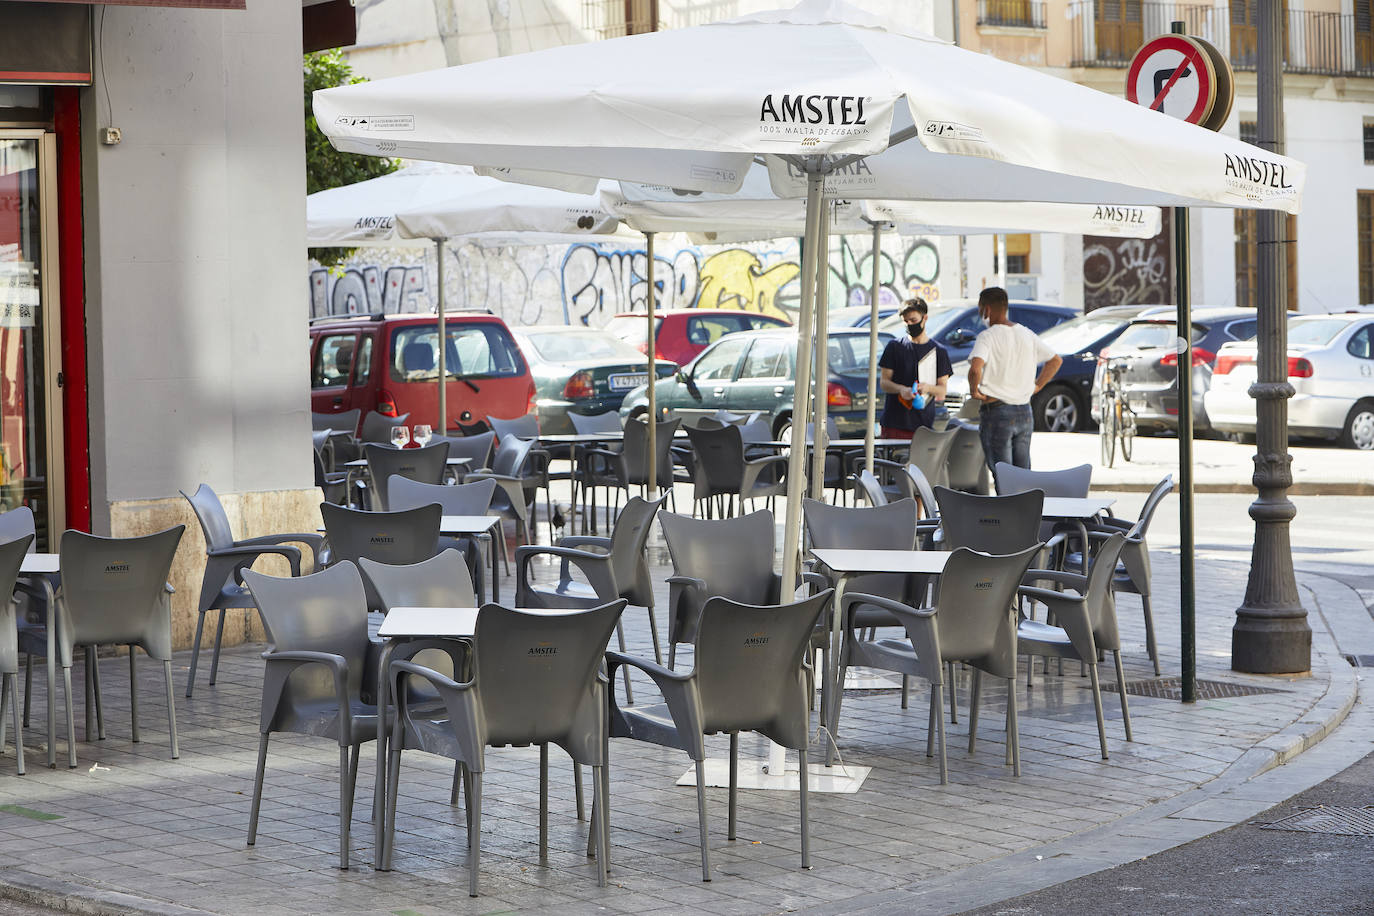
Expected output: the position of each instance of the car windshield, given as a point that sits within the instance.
(569, 346)
(937, 320)
(849, 352)
(1078, 334)
(476, 350)
(1317, 331)
(1151, 335)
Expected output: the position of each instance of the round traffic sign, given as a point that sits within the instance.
(1173, 74)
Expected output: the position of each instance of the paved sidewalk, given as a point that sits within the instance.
(132, 829)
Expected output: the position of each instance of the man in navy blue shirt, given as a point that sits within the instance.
(902, 415)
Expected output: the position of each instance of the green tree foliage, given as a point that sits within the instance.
(326, 167)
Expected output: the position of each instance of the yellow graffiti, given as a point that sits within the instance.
(737, 279)
(927, 291)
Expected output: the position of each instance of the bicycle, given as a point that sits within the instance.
(1117, 417)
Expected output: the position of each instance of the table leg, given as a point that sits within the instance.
(492, 534)
(379, 784)
(832, 685)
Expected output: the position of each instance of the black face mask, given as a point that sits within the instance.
(916, 330)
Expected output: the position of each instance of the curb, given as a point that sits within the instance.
(68, 897)
(1309, 488)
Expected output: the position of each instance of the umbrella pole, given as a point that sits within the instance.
(821, 364)
(872, 351)
(442, 344)
(653, 365)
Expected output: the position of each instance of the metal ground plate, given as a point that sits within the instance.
(1331, 819)
(1171, 688)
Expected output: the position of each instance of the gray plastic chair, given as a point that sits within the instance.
(722, 473)
(313, 682)
(441, 581)
(426, 465)
(607, 422)
(1086, 624)
(1071, 482)
(377, 428)
(629, 467)
(990, 524)
(459, 499)
(345, 421)
(114, 591)
(967, 467)
(749, 675)
(930, 452)
(1133, 572)
(556, 694)
(399, 538)
(225, 558)
(871, 488)
(972, 622)
(476, 448)
(11, 559)
(526, 427)
(912, 484)
(33, 617)
(511, 499)
(730, 558)
(614, 567)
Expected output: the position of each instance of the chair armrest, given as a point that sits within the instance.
(1071, 614)
(280, 665)
(919, 623)
(249, 554)
(314, 540)
(585, 540)
(595, 566)
(1073, 580)
(818, 581)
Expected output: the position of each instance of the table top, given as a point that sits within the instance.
(839, 443)
(856, 560)
(40, 564)
(593, 438)
(1075, 507)
(467, 524)
(443, 622)
(362, 462)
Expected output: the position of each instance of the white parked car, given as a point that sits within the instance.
(1331, 368)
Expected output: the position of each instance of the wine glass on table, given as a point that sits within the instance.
(400, 435)
(422, 434)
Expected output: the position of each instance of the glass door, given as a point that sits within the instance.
(30, 403)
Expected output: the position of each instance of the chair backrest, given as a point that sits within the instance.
(322, 612)
(975, 608)
(888, 527)
(871, 488)
(526, 427)
(636, 451)
(751, 679)
(214, 523)
(537, 675)
(399, 538)
(1135, 555)
(463, 499)
(607, 422)
(440, 581)
(914, 483)
(476, 448)
(991, 524)
(756, 429)
(930, 452)
(1071, 482)
(345, 421)
(719, 459)
(967, 468)
(385, 463)
(632, 529)
(1098, 594)
(11, 560)
(832, 430)
(511, 456)
(734, 555)
(114, 590)
(16, 523)
(1147, 511)
(377, 428)
(728, 418)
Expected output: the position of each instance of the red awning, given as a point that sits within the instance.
(197, 4)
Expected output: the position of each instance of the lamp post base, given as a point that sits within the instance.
(1266, 642)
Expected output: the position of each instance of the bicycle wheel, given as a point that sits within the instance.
(1127, 431)
(1107, 433)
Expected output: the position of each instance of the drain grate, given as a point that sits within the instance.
(1171, 688)
(1331, 819)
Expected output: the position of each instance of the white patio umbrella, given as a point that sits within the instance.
(429, 203)
(833, 99)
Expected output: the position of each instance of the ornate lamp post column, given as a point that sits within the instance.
(1271, 635)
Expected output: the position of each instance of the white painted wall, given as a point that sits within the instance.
(195, 236)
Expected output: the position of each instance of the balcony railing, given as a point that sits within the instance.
(1025, 14)
(1107, 33)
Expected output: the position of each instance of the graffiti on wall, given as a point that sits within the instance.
(587, 284)
(1120, 271)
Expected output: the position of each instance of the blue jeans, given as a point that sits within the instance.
(1005, 430)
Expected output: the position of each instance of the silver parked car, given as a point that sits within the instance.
(1331, 369)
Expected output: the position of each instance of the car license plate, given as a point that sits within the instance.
(627, 380)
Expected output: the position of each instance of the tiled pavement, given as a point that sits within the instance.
(168, 834)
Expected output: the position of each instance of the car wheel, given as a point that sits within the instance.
(1057, 410)
(1359, 427)
(782, 428)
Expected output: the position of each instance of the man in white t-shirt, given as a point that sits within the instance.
(1002, 376)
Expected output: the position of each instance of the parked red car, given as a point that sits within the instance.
(389, 363)
(680, 334)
